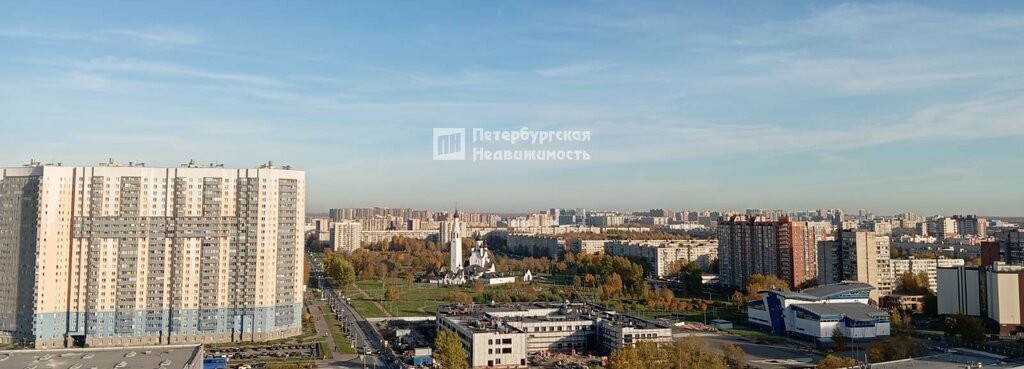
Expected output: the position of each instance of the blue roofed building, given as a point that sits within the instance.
(814, 313)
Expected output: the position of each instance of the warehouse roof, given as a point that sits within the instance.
(163, 357)
(852, 310)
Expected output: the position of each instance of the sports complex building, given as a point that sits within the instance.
(814, 313)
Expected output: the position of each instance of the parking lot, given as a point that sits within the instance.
(272, 352)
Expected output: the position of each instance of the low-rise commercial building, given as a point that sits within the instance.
(502, 335)
(903, 302)
(164, 357)
(814, 313)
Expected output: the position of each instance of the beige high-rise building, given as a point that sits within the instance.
(857, 255)
(129, 255)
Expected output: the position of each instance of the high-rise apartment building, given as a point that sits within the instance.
(1011, 246)
(798, 251)
(750, 245)
(857, 255)
(129, 255)
(971, 225)
(346, 236)
(746, 245)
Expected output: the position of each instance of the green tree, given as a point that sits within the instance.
(448, 351)
(893, 348)
(900, 322)
(913, 284)
(734, 356)
(836, 362)
(838, 339)
(692, 279)
(340, 271)
(967, 327)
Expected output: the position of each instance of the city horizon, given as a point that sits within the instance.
(850, 105)
(319, 209)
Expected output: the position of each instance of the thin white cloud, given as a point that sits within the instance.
(668, 140)
(90, 81)
(155, 37)
(114, 64)
(573, 69)
(160, 37)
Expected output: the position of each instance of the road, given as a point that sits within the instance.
(765, 356)
(365, 339)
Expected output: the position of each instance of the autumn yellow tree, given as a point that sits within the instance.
(687, 353)
(734, 356)
(836, 362)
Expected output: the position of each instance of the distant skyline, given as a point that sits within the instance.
(886, 106)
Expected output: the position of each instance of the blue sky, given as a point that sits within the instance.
(884, 106)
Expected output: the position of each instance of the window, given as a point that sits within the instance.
(507, 350)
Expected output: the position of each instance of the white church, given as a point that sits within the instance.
(480, 267)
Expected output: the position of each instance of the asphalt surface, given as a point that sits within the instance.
(359, 330)
(766, 356)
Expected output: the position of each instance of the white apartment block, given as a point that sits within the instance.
(115, 255)
(927, 266)
(502, 335)
(368, 237)
(660, 255)
(346, 236)
(536, 246)
(591, 247)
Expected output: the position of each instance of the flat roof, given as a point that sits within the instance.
(957, 360)
(824, 291)
(488, 317)
(852, 310)
(162, 357)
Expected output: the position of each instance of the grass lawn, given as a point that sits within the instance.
(342, 342)
(421, 299)
(757, 336)
(367, 309)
